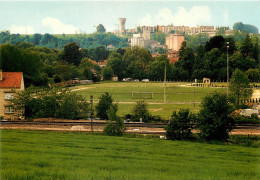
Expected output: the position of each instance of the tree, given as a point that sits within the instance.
(107, 73)
(239, 86)
(116, 63)
(156, 69)
(50, 103)
(115, 126)
(140, 111)
(105, 101)
(216, 42)
(180, 125)
(101, 29)
(71, 53)
(214, 119)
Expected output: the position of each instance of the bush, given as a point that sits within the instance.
(180, 125)
(105, 101)
(140, 111)
(50, 103)
(246, 120)
(115, 126)
(214, 119)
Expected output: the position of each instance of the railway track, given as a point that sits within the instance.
(102, 123)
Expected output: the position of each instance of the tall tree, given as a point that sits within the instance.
(239, 86)
(71, 53)
(101, 28)
(116, 63)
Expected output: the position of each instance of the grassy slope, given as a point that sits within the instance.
(121, 92)
(57, 155)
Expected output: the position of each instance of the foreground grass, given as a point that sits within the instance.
(60, 155)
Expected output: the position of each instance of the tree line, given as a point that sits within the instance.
(58, 41)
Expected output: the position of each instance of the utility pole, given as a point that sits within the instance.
(227, 70)
(165, 82)
(91, 112)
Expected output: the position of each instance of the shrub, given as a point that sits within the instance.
(180, 125)
(115, 126)
(105, 101)
(140, 111)
(50, 103)
(214, 119)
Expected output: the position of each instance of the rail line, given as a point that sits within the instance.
(102, 123)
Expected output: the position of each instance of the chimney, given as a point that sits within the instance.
(1, 75)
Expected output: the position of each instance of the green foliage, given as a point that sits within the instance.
(214, 119)
(245, 27)
(115, 126)
(50, 103)
(71, 54)
(239, 86)
(107, 73)
(101, 28)
(116, 63)
(105, 101)
(180, 125)
(13, 59)
(140, 111)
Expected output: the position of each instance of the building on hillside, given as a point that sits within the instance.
(173, 56)
(173, 41)
(10, 84)
(110, 46)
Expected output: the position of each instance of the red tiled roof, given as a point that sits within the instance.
(11, 80)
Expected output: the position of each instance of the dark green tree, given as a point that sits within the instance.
(71, 53)
(105, 101)
(116, 63)
(115, 126)
(214, 119)
(239, 86)
(140, 111)
(180, 125)
(101, 29)
(107, 73)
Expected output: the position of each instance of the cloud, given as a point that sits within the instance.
(197, 15)
(21, 29)
(58, 27)
(146, 21)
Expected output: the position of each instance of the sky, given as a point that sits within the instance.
(82, 16)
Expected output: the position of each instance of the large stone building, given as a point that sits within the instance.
(10, 84)
(173, 41)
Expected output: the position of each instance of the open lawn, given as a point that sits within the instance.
(62, 155)
(178, 95)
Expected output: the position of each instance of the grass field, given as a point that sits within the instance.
(33, 155)
(178, 95)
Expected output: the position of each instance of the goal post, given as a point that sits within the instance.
(142, 95)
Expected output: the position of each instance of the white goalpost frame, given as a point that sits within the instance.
(134, 92)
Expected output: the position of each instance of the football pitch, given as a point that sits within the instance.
(178, 95)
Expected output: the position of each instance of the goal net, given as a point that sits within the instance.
(142, 95)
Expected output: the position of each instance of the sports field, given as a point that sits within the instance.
(33, 155)
(178, 95)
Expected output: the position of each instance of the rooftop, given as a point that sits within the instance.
(11, 80)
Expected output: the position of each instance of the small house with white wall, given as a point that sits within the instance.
(10, 84)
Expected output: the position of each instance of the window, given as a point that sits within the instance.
(9, 109)
(9, 95)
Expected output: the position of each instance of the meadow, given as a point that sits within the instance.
(47, 155)
(178, 95)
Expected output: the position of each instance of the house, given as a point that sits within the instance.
(10, 84)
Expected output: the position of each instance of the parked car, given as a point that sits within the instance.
(145, 80)
(126, 79)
